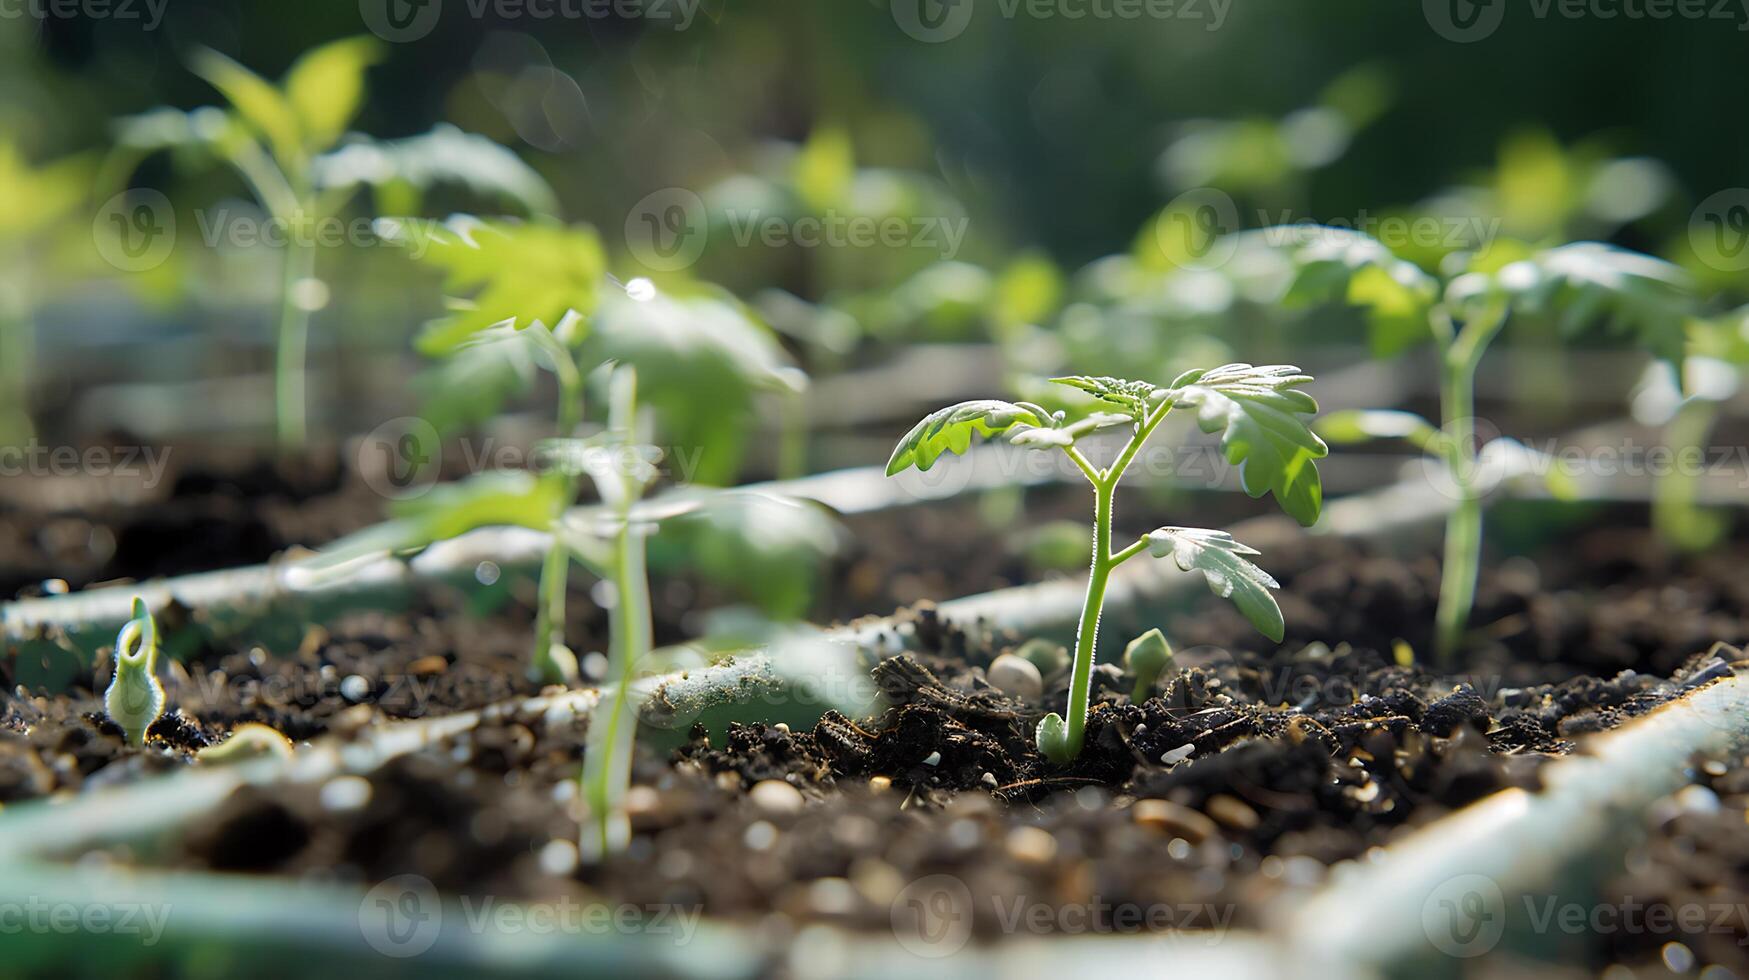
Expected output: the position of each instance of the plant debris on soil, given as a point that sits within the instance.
(1248, 772)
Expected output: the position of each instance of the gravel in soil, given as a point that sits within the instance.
(1198, 805)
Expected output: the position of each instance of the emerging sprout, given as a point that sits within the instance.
(135, 699)
(1146, 658)
(1256, 410)
(1047, 656)
(247, 742)
(1462, 312)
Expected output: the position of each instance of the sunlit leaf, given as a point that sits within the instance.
(950, 430)
(497, 498)
(1257, 411)
(1365, 425)
(326, 86)
(825, 169)
(1221, 561)
(446, 155)
(257, 102)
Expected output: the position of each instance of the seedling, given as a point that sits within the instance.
(1462, 312)
(1711, 375)
(135, 699)
(1146, 658)
(1258, 413)
(289, 144)
(33, 200)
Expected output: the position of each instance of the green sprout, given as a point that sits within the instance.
(135, 699)
(621, 474)
(1146, 658)
(1686, 408)
(289, 144)
(1256, 410)
(33, 200)
(1462, 312)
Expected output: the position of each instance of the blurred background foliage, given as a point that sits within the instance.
(1071, 153)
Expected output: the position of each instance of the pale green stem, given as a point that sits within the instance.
(1678, 521)
(1463, 526)
(549, 623)
(792, 453)
(1099, 575)
(17, 363)
(607, 760)
(292, 349)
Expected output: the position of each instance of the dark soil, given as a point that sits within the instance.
(1683, 893)
(1249, 772)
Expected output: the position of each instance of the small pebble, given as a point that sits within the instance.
(355, 688)
(1016, 677)
(1698, 799)
(558, 858)
(343, 794)
(776, 797)
(1232, 812)
(1173, 757)
(988, 780)
(932, 759)
(1171, 818)
(1678, 957)
(641, 801)
(759, 836)
(434, 664)
(1031, 845)
(880, 784)
(832, 896)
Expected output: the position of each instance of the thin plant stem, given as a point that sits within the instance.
(549, 624)
(17, 361)
(292, 347)
(1087, 632)
(1675, 516)
(1463, 526)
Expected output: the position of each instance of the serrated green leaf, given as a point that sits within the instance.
(1134, 397)
(326, 86)
(446, 155)
(537, 271)
(257, 102)
(1337, 264)
(1257, 412)
(1229, 575)
(950, 430)
(1585, 282)
(497, 498)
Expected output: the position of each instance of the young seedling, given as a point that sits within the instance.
(1258, 413)
(135, 699)
(1146, 658)
(1711, 375)
(289, 144)
(1462, 313)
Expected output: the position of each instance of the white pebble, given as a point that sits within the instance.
(1173, 757)
(558, 857)
(345, 793)
(355, 688)
(1016, 677)
(932, 759)
(776, 797)
(759, 836)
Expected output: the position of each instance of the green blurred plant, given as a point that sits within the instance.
(33, 202)
(135, 699)
(288, 142)
(1257, 411)
(1686, 408)
(1462, 312)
